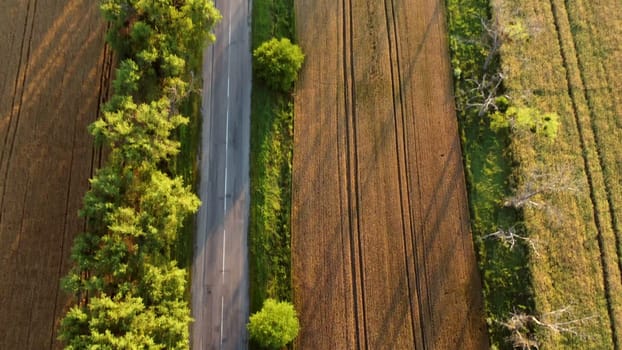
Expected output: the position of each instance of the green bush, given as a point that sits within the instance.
(521, 119)
(277, 62)
(275, 325)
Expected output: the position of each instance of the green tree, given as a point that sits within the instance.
(277, 62)
(275, 325)
(125, 322)
(138, 133)
(127, 76)
(107, 187)
(164, 203)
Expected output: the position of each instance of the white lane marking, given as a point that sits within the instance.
(226, 148)
(224, 240)
(224, 234)
(222, 317)
(229, 56)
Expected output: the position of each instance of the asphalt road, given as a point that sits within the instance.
(220, 304)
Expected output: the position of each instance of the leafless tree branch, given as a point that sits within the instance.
(559, 179)
(485, 92)
(510, 236)
(558, 321)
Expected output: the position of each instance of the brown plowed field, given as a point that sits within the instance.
(54, 69)
(382, 253)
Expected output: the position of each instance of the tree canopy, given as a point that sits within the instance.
(275, 325)
(277, 62)
(128, 291)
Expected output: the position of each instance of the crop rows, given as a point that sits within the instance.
(54, 65)
(381, 251)
(569, 66)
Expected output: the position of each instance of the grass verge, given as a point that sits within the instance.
(488, 163)
(185, 164)
(270, 168)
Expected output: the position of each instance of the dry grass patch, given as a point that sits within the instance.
(552, 71)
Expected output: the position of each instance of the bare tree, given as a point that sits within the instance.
(485, 92)
(497, 34)
(521, 326)
(177, 89)
(495, 38)
(510, 236)
(559, 179)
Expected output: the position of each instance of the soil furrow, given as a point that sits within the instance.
(15, 292)
(355, 190)
(403, 253)
(21, 95)
(102, 95)
(65, 232)
(417, 231)
(402, 173)
(11, 114)
(348, 100)
(409, 235)
(589, 173)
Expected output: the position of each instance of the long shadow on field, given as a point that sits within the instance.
(45, 165)
(442, 301)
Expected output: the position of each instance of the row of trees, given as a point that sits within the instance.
(128, 291)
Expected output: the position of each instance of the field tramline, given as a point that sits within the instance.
(569, 65)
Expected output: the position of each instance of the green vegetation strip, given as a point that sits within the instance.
(270, 168)
(506, 278)
(128, 287)
(185, 165)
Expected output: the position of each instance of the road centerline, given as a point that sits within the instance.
(224, 234)
(227, 81)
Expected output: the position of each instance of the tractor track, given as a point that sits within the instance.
(103, 92)
(599, 152)
(13, 116)
(403, 173)
(358, 289)
(598, 221)
(390, 283)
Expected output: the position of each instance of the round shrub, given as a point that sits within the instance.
(277, 62)
(275, 325)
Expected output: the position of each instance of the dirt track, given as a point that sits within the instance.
(53, 72)
(382, 252)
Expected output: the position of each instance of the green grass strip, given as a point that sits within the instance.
(505, 274)
(270, 168)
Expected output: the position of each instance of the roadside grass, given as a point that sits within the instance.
(488, 164)
(185, 164)
(579, 265)
(270, 168)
